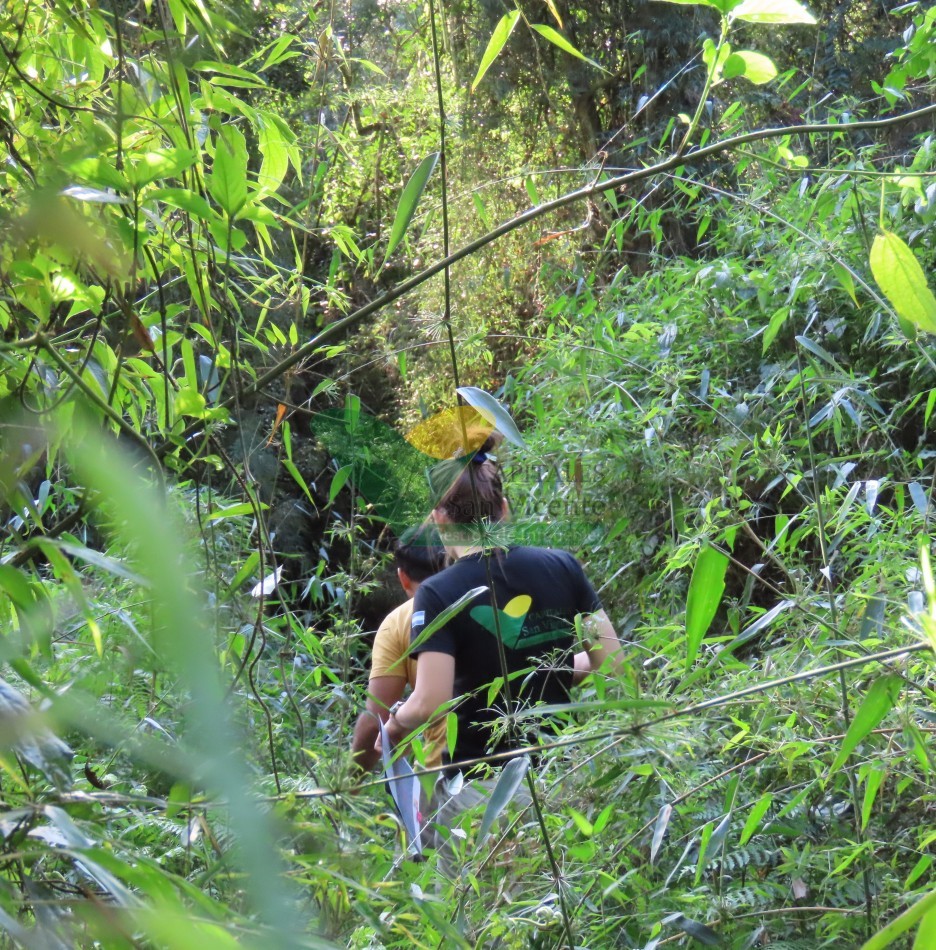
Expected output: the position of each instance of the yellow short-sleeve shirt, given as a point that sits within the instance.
(390, 644)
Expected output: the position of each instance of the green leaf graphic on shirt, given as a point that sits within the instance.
(512, 619)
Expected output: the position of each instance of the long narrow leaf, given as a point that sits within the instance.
(494, 412)
(705, 594)
(443, 618)
(409, 200)
(884, 938)
(876, 705)
(499, 37)
(510, 778)
(557, 39)
(659, 830)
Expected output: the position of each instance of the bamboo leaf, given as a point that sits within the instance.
(918, 496)
(884, 938)
(705, 594)
(499, 37)
(409, 200)
(872, 784)
(875, 706)
(557, 39)
(899, 275)
(926, 935)
(754, 819)
(555, 12)
(228, 179)
(772, 11)
(510, 778)
(494, 412)
(339, 481)
(659, 830)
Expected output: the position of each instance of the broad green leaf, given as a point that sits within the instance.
(275, 157)
(582, 823)
(228, 179)
(899, 275)
(884, 938)
(755, 67)
(507, 784)
(773, 328)
(499, 37)
(754, 818)
(919, 869)
(926, 935)
(696, 3)
(233, 511)
(876, 705)
(846, 281)
(338, 482)
(184, 199)
(772, 11)
(557, 39)
(409, 200)
(705, 594)
(494, 412)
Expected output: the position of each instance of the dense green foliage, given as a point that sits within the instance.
(697, 277)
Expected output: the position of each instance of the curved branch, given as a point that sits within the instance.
(579, 194)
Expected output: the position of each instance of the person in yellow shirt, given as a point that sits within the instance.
(418, 555)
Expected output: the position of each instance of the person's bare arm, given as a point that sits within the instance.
(581, 667)
(602, 646)
(435, 684)
(382, 693)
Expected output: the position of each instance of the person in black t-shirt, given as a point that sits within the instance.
(531, 608)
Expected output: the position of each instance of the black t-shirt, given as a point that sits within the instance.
(537, 592)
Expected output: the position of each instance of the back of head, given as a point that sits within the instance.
(476, 492)
(419, 553)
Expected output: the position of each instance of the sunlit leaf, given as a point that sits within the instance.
(755, 67)
(899, 275)
(557, 39)
(754, 818)
(409, 200)
(494, 412)
(499, 37)
(228, 179)
(772, 11)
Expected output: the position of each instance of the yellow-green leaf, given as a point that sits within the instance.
(557, 39)
(772, 11)
(875, 706)
(755, 67)
(899, 275)
(705, 594)
(499, 37)
(409, 200)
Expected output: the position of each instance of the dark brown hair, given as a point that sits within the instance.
(419, 553)
(477, 493)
